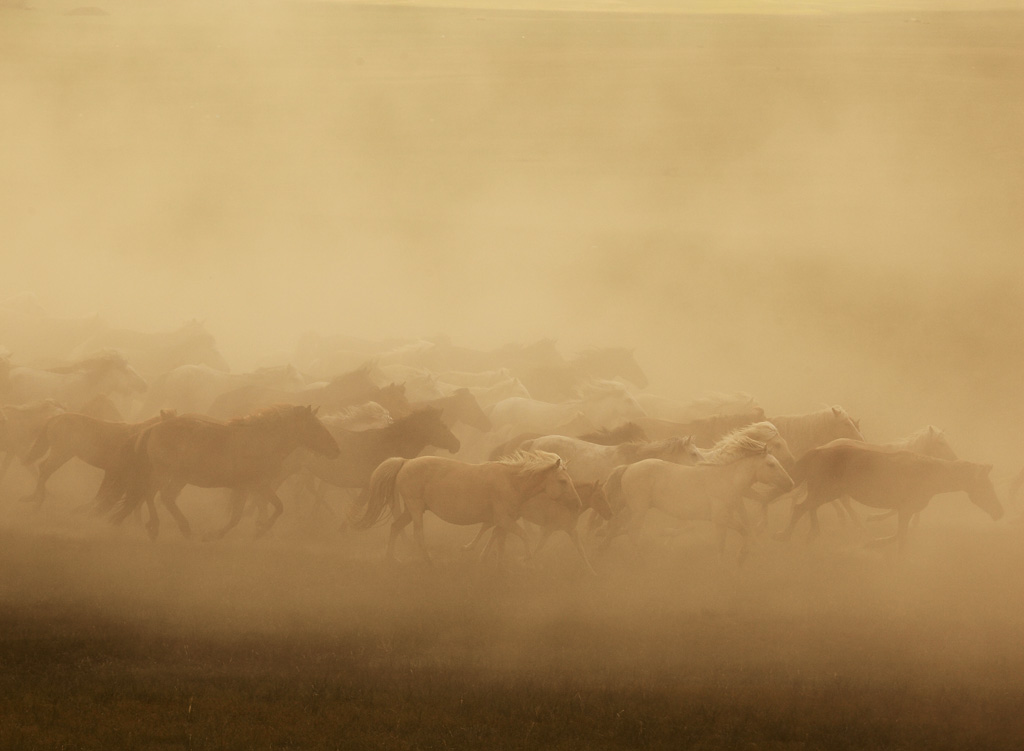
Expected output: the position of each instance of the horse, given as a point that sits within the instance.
(459, 493)
(358, 417)
(706, 431)
(490, 395)
(459, 406)
(604, 405)
(244, 454)
(886, 478)
(592, 462)
(710, 491)
(341, 392)
(561, 381)
(712, 405)
(20, 426)
(194, 388)
(929, 441)
(362, 451)
(808, 431)
(100, 443)
(162, 351)
(628, 431)
(75, 384)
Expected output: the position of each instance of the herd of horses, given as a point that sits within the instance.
(489, 438)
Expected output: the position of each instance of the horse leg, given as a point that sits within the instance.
(110, 490)
(275, 502)
(169, 498)
(574, 535)
(47, 467)
(238, 496)
(845, 503)
(472, 544)
(399, 523)
(417, 533)
(799, 509)
(8, 458)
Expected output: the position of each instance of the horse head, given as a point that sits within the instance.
(468, 411)
(312, 433)
(980, 490)
(432, 429)
(771, 472)
(844, 425)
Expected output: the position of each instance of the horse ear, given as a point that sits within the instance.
(931, 430)
(837, 410)
(313, 410)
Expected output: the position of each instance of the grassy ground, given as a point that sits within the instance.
(113, 642)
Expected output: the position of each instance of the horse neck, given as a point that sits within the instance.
(528, 484)
(398, 439)
(731, 480)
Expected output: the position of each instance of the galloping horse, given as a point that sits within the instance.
(362, 451)
(244, 454)
(711, 491)
(460, 493)
(886, 478)
(100, 443)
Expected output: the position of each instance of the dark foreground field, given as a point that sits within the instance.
(308, 641)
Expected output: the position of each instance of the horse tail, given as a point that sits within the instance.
(381, 492)
(39, 447)
(134, 476)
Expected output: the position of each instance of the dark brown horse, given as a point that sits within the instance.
(245, 454)
(886, 478)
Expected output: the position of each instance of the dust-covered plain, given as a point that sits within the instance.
(816, 208)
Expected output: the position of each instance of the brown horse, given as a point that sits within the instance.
(363, 450)
(20, 426)
(886, 478)
(460, 493)
(245, 454)
(101, 443)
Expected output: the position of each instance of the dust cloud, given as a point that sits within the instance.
(813, 207)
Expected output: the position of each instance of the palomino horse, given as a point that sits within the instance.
(706, 431)
(75, 384)
(460, 493)
(244, 454)
(100, 443)
(711, 491)
(888, 479)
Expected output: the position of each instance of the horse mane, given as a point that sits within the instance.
(528, 462)
(39, 406)
(637, 450)
(627, 432)
(733, 447)
(356, 413)
(265, 415)
(763, 431)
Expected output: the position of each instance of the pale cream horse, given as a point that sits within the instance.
(460, 493)
(711, 491)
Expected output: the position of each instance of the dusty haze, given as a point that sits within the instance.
(814, 207)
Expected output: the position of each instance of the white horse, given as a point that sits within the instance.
(711, 491)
